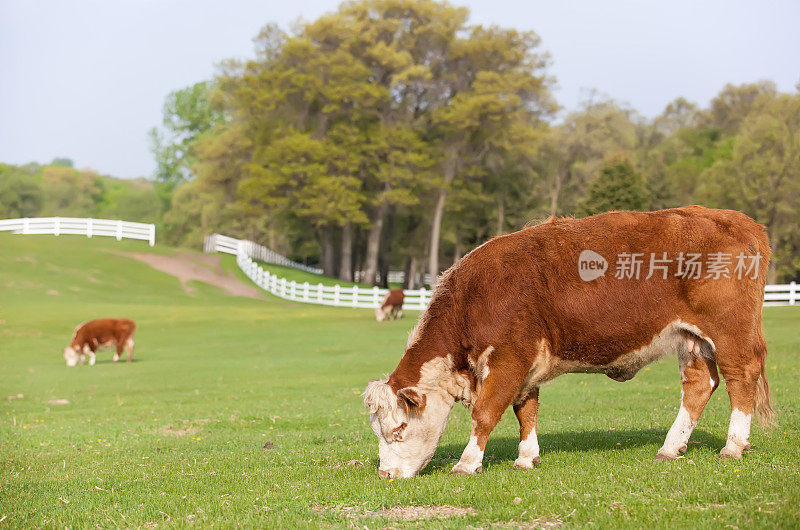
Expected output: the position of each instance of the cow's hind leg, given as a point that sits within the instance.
(129, 347)
(699, 379)
(526, 410)
(499, 386)
(741, 378)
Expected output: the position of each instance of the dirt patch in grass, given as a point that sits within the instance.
(199, 267)
(404, 513)
(186, 428)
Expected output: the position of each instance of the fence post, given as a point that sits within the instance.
(152, 235)
(56, 226)
(294, 289)
(119, 230)
(422, 301)
(305, 291)
(355, 296)
(25, 225)
(375, 298)
(319, 293)
(336, 294)
(89, 227)
(283, 287)
(792, 293)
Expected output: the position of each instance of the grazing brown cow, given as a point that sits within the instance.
(527, 307)
(95, 334)
(392, 306)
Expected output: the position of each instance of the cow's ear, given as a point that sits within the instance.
(411, 399)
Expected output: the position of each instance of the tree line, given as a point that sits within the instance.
(59, 189)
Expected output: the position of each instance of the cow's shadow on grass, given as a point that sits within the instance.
(503, 449)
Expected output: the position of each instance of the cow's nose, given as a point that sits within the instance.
(384, 474)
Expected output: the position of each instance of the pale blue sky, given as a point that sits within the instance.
(86, 79)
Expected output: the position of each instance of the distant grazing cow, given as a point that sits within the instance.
(392, 306)
(605, 294)
(103, 332)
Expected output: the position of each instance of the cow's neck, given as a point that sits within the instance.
(434, 360)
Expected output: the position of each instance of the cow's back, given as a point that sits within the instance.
(104, 330)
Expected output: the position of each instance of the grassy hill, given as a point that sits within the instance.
(178, 436)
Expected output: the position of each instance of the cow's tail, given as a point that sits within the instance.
(763, 409)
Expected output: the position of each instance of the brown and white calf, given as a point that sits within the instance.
(392, 306)
(103, 332)
(557, 298)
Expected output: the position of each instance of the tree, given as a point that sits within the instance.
(187, 115)
(761, 176)
(573, 152)
(618, 187)
(734, 102)
(62, 161)
(20, 192)
(495, 85)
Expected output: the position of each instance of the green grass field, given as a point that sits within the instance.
(177, 438)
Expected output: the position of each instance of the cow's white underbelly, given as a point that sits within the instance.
(669, 341)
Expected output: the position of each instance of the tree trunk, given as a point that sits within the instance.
(438, 211)
(386, 248)
(457, 250)
(772, 270)
(411, 275)
(501, 216)
(373, 245)
(555, 192)
(346, 261)
(327, 252)
(357, 254)
(406, 272)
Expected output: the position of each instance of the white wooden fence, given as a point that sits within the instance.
(247, 252)
(230, 245)
(80, 226)
(782, 294)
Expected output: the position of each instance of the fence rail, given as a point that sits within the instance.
(81, 226)
(231, 245)
(781, 294)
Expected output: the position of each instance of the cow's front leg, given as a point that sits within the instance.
(498, 389)
(92, 358)
(526, 410)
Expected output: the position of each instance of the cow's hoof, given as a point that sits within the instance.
(526, 463)
(730, 454)
(460, 469)
(665, 457)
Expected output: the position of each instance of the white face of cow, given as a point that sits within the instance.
(71, 356)
(408, 425)
(380, 314)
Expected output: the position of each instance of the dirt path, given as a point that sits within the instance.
(201, 267)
